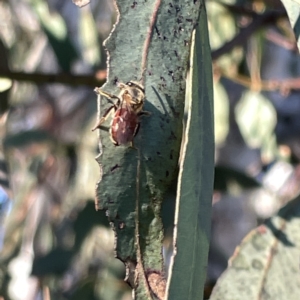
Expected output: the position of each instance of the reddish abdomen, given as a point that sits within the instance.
(123, 127)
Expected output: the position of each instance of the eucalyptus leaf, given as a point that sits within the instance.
(266, 264)
(55, 28)
(151, 44)
(293, 11)
(195, 184)
(5, 83)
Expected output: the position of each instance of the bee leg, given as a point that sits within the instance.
(104, 117)
(108, 96)
(131, 145)
(136, 131)
(144, 113)
(137, 128)
(121, 85)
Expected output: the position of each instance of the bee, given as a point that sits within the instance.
(127, 111)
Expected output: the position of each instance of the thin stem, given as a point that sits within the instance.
(148, 38)
(42, 78)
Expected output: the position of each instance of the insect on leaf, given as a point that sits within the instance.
(150, 44)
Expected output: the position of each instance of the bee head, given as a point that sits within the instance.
(133, 93)
(136, 85)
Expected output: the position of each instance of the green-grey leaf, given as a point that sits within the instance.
(151, 42)
(266, 264)
(293, 11)
(56, 31)
(5, 84)
(195, 185)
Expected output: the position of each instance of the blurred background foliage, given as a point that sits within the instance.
(54, 244)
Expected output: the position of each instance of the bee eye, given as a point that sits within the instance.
(129, 83)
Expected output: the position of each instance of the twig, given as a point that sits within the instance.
(284, 86)
(148, 39)
(258, 21)
(42, 78)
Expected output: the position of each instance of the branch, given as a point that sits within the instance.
(283, 86)
(93, 80)
(259, 20)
